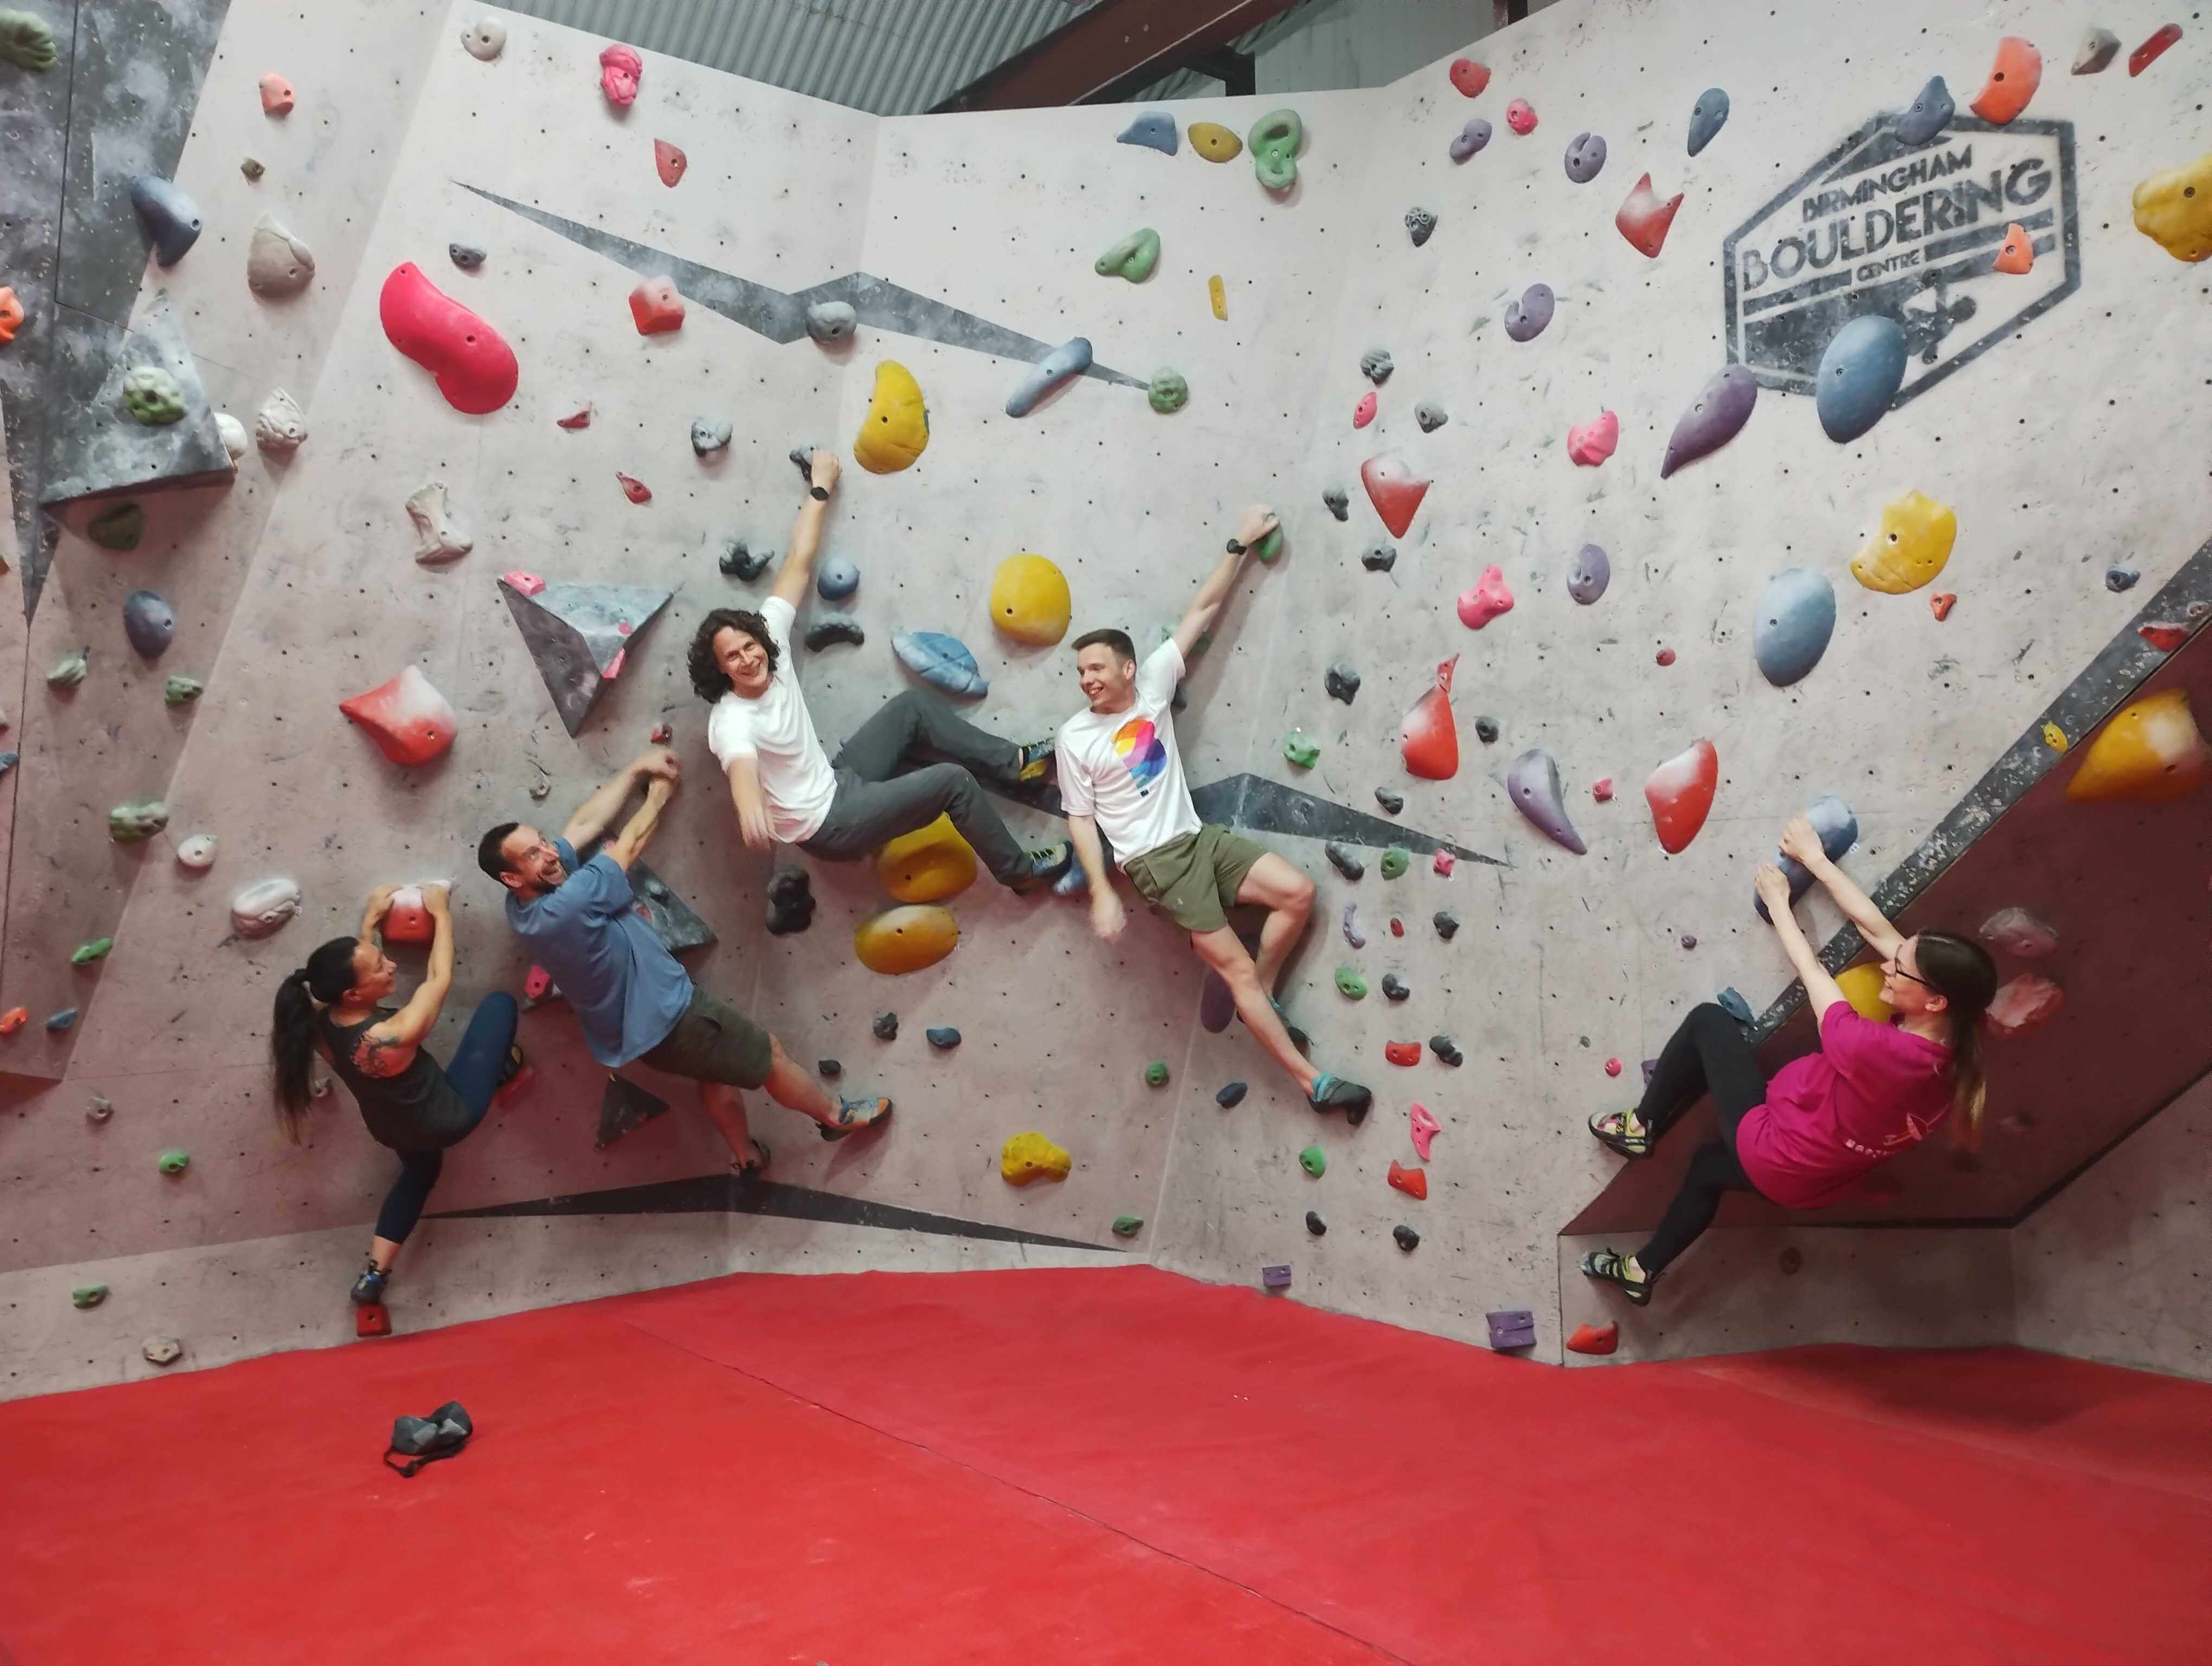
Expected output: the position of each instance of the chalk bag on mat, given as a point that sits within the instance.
(423, 1440)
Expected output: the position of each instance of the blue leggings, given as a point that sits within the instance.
(474, 1075)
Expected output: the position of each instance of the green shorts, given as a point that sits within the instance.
(1194, 880)
(713, 1042)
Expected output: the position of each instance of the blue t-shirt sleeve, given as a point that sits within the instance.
(598, 889)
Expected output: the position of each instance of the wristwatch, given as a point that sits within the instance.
(820, 494)
(1235, 548)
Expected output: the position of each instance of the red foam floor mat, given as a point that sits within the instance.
(1097, 1466)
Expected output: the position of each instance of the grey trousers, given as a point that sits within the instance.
(884, 788)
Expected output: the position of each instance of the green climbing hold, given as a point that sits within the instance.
(68, 671)
(1133, 257)
(1274, 140)
(119, 529)
(127, 823)
(151, 394)
(1313, 1161)
(1396, 860)
(1127, 1226)
(85, 953)
(174, 1162)
(1303, 752)
(1168, 392)
(1156, 1073)
(88, 1295)
(1270, 546)
(1350, 983)
(182, 691)
(26, 38)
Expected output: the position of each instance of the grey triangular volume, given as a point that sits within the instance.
(95, 448)
(577, 633)
(672, 919)
(624, 1106)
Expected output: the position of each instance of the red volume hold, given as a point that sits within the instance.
(475, 367)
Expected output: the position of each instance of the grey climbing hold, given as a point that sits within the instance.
(1532, 783)
(1928, 115)
(1394, 987)
(1591, 572)
(8, 761)
(1230, 1095)
(1169, 392)
(1375, 365)
(154, 396)
(942, 661)
(197, 852)
(1070, 358)
(2096, 51)
(831, 320)
(1342, 858)
(1379, 557)
(1735, 1005)
(1470, 139)
(1525, 319)
(1315, 1223)
(709, 435)
(1420, 224)
(1352, 933)
(252, 168)
(1392, 802)
(70, 670)
(2118, 577)
(1839, 828)
(1796, 616)
(829, 1067)
(277, 262)
(1722, 408)
(942, 1036)
(261, 908)
(485, 39)
(1446, 922)
(1408, 1239)
(1688, 940)
(886, 1026)
(1338, 502)
(1154, 128)
(1487, 730)
(1707, 117)
(99, 1109)
(1429, 415)
(1446, 1049)
(578, 634)
(1341, 682)
(182, 690)
(170, 219)
(837, 628)
(119, 529)
(790, 902)
(280, 427)
(740, 562)
(162, 1350)
(61, 1020)
(127, 824)
(1859, 374)
(1585, 157)
(838, 579)
(439, 534)
(467, 256)
(624, 1106)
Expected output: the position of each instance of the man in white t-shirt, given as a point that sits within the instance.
(883, 784)
(1120, 770)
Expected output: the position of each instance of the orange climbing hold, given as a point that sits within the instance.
(2018, 254)
(1414, 1183)
(1429, 739)
(669, 161)
(1393, 490)
(656, 307)
(1595, 1339)
(2150, 753)
(2013, 80)
(12, 316)
(410, 721)
(1942, 602)
(1681, 793)
(1643, 219)
(633, 488)
(906, 940)
(13, 1019)
(2149, 53)
(1402, 1052)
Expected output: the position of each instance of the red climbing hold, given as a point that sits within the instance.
(1595, 1339)
(1681, 795)
(2148, 54)
(662, 734)
(1402, 1052)
(669, 161)
(1397, 926)
(1414, 1183)
(1489, 598)
(407, 921)
(2164, 638)
(13, 1019)
(407, 718)
(1590, 443)
(1613, 1067)
(578, 418)
(1429, 740)
(516, 1086)
(633, 488)
(2018, 254)
(1521, 116)
(1665, 656)
(1643, 219)
(2013, 80)
(656, 307)
(536, 984)
(371, 1320)
(1942, 603)
(1601, 789)
(1363, 412)
(475, 367)
(1393, 490)
(1471, 77)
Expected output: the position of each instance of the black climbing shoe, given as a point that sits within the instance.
(854, 1114)
(1611, 1127)
(1045, 865)
(1034, 760)
(755, 1168)
(513, 1067)
(1609, 1268)
(1335, 1093)
(368, 1288)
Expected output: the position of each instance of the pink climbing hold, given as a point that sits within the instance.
(632, 489)
(1942, 603)
(276, 94)
(528, 584)
(1393, 491)
(620, 67)
(656, 307)
(1429, 739)
(1643, 219)
(669, 161)
(1521, 116)
(1469, 76)
(1425, 1129)
(1489, 598)
(410, 721)
(537, 984)
(613, 666)
(1681, 793)
(1601, 789)
(1665, 656)
(1363, 412)
(1613, 1067)
(2028, 1001)
(580, 418)
(1590, 443)
(1443, 863)
(474, 366)
(2164, 638)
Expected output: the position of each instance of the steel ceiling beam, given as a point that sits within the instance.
(1110, 50)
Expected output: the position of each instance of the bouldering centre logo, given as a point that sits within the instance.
(1878, 225)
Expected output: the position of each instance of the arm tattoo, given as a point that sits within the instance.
(382, 1055)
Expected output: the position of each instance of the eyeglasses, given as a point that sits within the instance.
(1895, 967)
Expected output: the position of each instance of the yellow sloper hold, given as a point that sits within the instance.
(2150, 753)
(928, 865)
(1862, 987)
(1027, 1156)
(2174, 209)
(1214, 142)
(1910, 548)
(906, 940)
(1220, 297)
(2055, 738)
(896, 427)
(1029, 600)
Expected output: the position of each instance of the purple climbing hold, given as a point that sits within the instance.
(1839, 828)
(1471, 138)
(1588, 578)
(1533, 783)
(149, 623)
(1796, 616)
(1707, 117)
(1217, 1003)
(1513, 1328)
(1352, 933)
(1859, 374)
(170, 217)
(1585, 157)
(1722, 408)
(1525, 319)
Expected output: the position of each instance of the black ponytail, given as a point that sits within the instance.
(325, 978)
(1961, 971)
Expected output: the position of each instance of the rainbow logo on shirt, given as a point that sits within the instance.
(1137, 745)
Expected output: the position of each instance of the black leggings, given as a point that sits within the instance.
(1707, 1054)
(474, 1074)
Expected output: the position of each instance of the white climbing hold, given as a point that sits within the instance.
(197, 852)
(485, 39)
(264, 907)
(233, 435)
(277, 262)
(439, 534)
(280, 425)
(2019, 933)
(163, 1350)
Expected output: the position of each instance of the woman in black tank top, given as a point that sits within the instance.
(408, 1101)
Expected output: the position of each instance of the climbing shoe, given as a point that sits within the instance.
(746, 1170)
(368, 1288)
(512, 1066)
(1335, 1093)
(1034, 760)
(854, 1114)
(1045, 864)
(1612, 1129)
(1609, 1268)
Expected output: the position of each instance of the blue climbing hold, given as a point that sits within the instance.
(1707, 117)
(1070, 358)
(171, 218)
(838, 579)
(1737, 1006)
(1796, 616)
(63, 1019)
(1927, 115)
(8, 761)
(1839, 828)
(1588, 578)
(943, 662)
(1859, 375)
(1156, 128)
(1230, 1095)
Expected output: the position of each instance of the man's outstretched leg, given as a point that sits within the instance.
(866, 815)
(1220, 949)
(721, 1049)
(916, 725)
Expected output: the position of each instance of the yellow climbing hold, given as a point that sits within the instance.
(2174, 209)
(2150, 753)
(2055, 738)
(1029, 601)
(1219, 296)
(928, 865)
(896, 427)
(1862, 987)
(1027, 1156)
(1910, 548)
(1214, 142)
(906, 940)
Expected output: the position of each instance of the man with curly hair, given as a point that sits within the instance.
(883, 783)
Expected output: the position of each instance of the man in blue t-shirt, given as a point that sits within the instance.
(629, 995)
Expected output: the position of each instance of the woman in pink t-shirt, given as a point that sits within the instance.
(1810, 1135)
